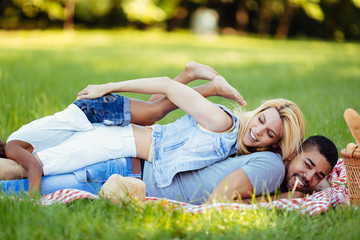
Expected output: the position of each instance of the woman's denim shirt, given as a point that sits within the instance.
(183, 146)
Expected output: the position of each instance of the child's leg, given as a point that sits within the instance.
(147, 113)
(118, 110)
(191, 72)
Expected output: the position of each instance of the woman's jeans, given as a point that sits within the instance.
(89, 178)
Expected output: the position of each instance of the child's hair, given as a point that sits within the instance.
(2, 149)
(293, 127)
(325, 147)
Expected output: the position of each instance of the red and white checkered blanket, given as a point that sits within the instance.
(313, 204)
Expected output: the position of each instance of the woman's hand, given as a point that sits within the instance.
(93, 91)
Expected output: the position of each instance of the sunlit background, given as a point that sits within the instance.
(326, 19)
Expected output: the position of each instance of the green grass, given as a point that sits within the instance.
(41, 73)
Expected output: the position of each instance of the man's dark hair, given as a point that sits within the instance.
(324, 145)
(2, 149)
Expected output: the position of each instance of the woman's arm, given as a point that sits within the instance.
(235, 186)
(206, 113)
(17, 150)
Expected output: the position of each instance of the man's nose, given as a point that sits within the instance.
(309, 175)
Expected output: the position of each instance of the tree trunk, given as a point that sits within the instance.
(282, 30)
(265, 18)
(69, 11)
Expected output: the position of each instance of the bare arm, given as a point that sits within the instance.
(18, 151)
(208, 114)
(10, 170)
(235, 186)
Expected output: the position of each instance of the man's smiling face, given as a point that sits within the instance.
(306, 170)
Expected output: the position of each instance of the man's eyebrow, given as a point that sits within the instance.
(312, 163)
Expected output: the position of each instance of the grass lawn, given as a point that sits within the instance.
(41, 73)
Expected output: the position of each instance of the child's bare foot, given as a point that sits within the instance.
(222, 88)
(194, 71)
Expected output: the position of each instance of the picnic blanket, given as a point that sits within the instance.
(316, 203)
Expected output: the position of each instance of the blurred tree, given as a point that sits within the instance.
(143, 11)
(265, 17)
(91, 10)
(69, 11)
(282, 30)
(31, 8)
(337, 19)
(311, 8)
(344, 20)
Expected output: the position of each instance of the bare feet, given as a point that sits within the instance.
(222, 88)
(194, 71)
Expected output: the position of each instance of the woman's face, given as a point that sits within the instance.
(264, 129)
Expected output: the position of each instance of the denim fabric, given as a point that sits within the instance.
(110, 110)
(89, 178)
(182, 146)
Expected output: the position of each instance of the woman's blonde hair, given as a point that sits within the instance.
(292, 133)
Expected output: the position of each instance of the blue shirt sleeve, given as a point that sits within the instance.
(265, 171)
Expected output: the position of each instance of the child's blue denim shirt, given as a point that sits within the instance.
(183, 146)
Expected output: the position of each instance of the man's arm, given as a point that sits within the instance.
(260, 172)
(237, 187)
(233, 187)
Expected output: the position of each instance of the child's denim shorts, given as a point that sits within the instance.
(112, 109)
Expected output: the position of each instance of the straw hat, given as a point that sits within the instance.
(118, 188)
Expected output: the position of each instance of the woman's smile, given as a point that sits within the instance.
(252, 137)
(264, 129)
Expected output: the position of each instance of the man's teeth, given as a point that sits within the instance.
(252, 136)
(299, 181)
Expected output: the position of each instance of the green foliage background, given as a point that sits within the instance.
(326, 19)
(41, 73)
